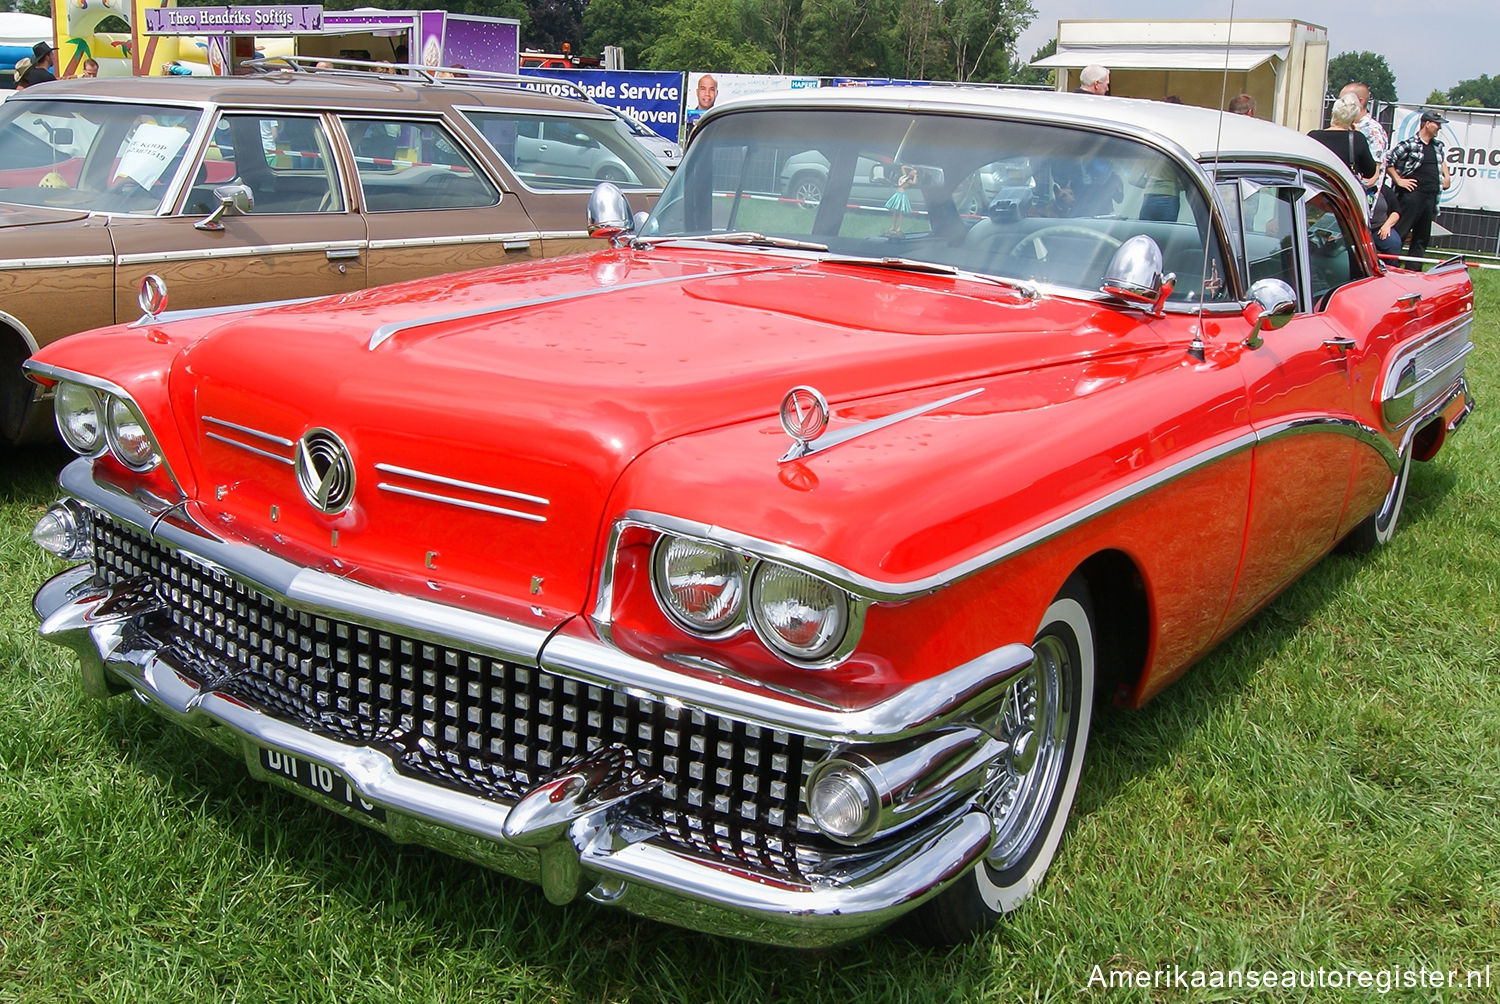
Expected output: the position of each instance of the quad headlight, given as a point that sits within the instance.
(700, 585)
(129, 439)
(712, 591)
(80, 418)
(91, 421)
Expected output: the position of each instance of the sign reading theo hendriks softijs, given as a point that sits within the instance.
(233, 20)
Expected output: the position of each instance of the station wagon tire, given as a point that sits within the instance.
(1030, 793)
(806, 189)
(1377, 529)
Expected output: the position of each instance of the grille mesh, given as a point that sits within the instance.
(469, 721)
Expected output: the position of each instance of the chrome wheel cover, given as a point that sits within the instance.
(1036, 721)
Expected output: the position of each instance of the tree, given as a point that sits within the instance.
(981, 34)
(1367, 68)
(631, 24)
(1480, 92)
(707, 34)
(1025, 73)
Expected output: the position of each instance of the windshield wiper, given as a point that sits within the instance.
(748, 238)
(1026, 288)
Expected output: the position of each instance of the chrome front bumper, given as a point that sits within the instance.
(565, 833)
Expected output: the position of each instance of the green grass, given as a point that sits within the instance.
(1321, 792)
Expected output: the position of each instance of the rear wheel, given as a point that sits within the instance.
(1377, 529)
(806, 189)
(1030, 791)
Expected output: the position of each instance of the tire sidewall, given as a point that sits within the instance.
(1003, 891)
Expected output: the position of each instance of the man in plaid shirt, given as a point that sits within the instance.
(1418, 168)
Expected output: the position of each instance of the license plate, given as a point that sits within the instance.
(319, 778)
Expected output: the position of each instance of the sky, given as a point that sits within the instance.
(1428, 44)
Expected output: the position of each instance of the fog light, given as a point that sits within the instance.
(842, 802)
(63, 530)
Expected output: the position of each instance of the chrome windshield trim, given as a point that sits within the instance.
(306, 588)
(386, 332)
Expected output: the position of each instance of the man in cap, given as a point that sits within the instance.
(43, 58)
(1418, 168)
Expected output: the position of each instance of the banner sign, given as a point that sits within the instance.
(1472, 151)
(653, 97)
(233, 20)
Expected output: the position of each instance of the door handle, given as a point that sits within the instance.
(1343, 344)
(342, 254)
(1409, 301)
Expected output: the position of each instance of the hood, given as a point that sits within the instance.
(489, 414)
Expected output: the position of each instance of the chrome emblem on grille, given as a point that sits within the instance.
(325, 471)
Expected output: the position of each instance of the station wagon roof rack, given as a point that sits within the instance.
(441, 75)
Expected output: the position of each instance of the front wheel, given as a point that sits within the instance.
(1029, 793)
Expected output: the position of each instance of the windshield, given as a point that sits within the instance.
(1018, 200)
(91, 156)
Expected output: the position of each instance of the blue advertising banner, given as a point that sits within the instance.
(654, 97)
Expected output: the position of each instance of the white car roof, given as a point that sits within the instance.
(1204, 133)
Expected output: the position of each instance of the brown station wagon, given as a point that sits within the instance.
(277, 186)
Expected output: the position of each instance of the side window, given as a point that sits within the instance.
(286, 160)
(1331, 257)
(415, 165)
(567, 152)
(1268, 222)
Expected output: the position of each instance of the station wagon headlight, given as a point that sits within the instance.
(700, 585)
(129, 439)
(799, 615)
(80, 418)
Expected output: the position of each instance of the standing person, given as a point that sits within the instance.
(43, 58)
(708, 93)
(1093, 80)
(1418, 168)
(1348, 143)
(22, 65)
(1242, 104)
(1373, 131)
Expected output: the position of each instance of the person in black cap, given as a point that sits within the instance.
(1418, 168)
(43, 58)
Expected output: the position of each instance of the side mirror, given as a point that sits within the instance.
(1135, 276)
(609, 212)
(1272, 304)
(238, 199)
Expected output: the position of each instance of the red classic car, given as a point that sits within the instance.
(759, 572)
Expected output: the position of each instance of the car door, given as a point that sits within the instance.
(431, 205)
(303, 237)
(1303, 400)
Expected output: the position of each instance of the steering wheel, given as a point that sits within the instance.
(1036, 240)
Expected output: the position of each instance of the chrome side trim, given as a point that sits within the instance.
(306, 588)
(893, 590)
(524, 239)
(386, 332)
(461, 503)
(319, 247)
(249, 449)
(78, 261)
(278, 440)
(455, 483)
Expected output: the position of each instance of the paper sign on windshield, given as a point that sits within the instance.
(150, 150)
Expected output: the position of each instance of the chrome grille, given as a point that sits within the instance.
(469, 721)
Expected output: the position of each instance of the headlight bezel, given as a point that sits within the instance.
(115, 436)
(831, 650)
(98, 444)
